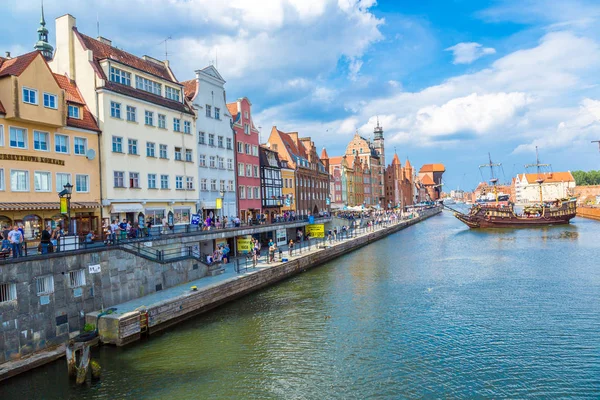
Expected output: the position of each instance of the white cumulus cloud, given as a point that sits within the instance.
(467, 52)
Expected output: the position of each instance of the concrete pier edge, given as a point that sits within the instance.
(122, 329)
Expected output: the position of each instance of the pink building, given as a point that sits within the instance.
(247, 159)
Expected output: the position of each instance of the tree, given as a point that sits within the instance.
(583, 178)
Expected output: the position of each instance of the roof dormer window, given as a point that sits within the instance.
(147, 85)
(119, 76)
(73, 111)
(172, 93)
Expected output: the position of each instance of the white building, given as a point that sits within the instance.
(147, 147)
(216, 155)
(555, 185)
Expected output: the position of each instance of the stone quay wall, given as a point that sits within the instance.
(589, 212)
(121, 329)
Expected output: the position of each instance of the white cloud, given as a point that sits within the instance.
(354, 68)
(466, 53)
(323, 95)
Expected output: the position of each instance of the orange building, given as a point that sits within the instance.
(399, 184)
(430, 178)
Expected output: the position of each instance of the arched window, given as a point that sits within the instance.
(5, 222)
(32, 226)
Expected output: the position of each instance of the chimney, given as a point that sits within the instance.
(8, 55)
(64, 54)
(104, 40)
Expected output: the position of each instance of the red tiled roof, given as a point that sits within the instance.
(233, 110)
(103, 51)
(147, 96)
(396, 160)
(335, 160)
(426, 180)
(433, 168)
(16, 65)
(72, 93)
(87, 120)
(324, 155)
(189, 88)
(551, 177)
(407, 164)
(2, 109)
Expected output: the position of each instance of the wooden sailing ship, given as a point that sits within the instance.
(502, 214)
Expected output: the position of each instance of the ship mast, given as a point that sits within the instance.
(493, 180)
(538, 167)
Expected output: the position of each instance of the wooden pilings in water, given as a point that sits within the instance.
(80, 372)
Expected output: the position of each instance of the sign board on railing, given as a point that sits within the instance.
(315, 231)
(95, 269)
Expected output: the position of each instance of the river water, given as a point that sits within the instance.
(436, 310)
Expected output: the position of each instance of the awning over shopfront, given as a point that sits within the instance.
(44, 206)
(126, 207)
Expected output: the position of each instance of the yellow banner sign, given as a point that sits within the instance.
(219, 203)
(244, 244)
(315, 230)
(63, 205)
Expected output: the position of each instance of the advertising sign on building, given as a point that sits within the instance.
(316, 230)
(244, 244)
(281, 237)
(219, 203)
(195, 219)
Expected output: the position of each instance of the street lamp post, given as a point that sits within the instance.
(66, 193)
(222, 194)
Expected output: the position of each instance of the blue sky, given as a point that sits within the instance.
(449, 80)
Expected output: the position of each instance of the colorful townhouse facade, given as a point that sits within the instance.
(311, 173)
(148, 144)
(271, 183)
(48, 139)
(399, 184)
(216, 144)
(247, 159)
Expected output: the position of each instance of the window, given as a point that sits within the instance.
(132, 146)
(164, 181)
(172, 93)
(211, 139)
(189, 183)
(42, 181)
(246, 129)
(61, 144)
(256, 192)
(230, 186)
(163, 151)
(77, 278)
(255, 151)
(162, 121)
(203, 184)
(240, 169)
(208, 111)
(73, 111)
(188, 155)
(19, 181)
(229, 144)
(187, 127)
(44, 285)
(151, 181)
(179, 182)
(29, 96)
(134, 180)
(242, 192)
(131, 114)
(150, 149)
(80, 146)
(176, 124)
(148, 85)
(40, 141)
(82, 183)
(213, 185)
(50, 101)
(248, 149)
(249, 194)
(220, 141)
(217, 113)
(248, 170)
(8, 292)
(256, 171)
(177, 153)
(201, 138)
(149, 118)
(119, 179)
(119, 76)
(246, 114)
(212, 161)
(240, 147)
(181, 215)
(229, 164)
(221, 162)
(202, 160)
(155, 216)
(18, 138)
(222, 185)
(62, 180)
(1, 135)
(115, 109)
(1, 178)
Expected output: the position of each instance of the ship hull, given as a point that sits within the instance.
(482, 223)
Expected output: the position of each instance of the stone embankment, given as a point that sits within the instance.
(158, 311)
(589, 212)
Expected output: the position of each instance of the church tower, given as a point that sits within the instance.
(379, 147)
(42, 44)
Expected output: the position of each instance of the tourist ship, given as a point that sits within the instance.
(502, 214)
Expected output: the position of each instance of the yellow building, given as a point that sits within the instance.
(48, 138)
(289, 187)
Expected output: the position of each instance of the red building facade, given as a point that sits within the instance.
(247, 163)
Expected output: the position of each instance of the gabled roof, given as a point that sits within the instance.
(72, 93)
(212, 71)
(233, 110)
(407, 164)
(433, 168)
(426, 180)
(16, 65)
(551, 177)
(396, 160)
(73, 96)
(324, 155)
(102, 51)
(190, 88)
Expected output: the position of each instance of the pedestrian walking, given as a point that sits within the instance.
(16, 239)
(290, 247)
